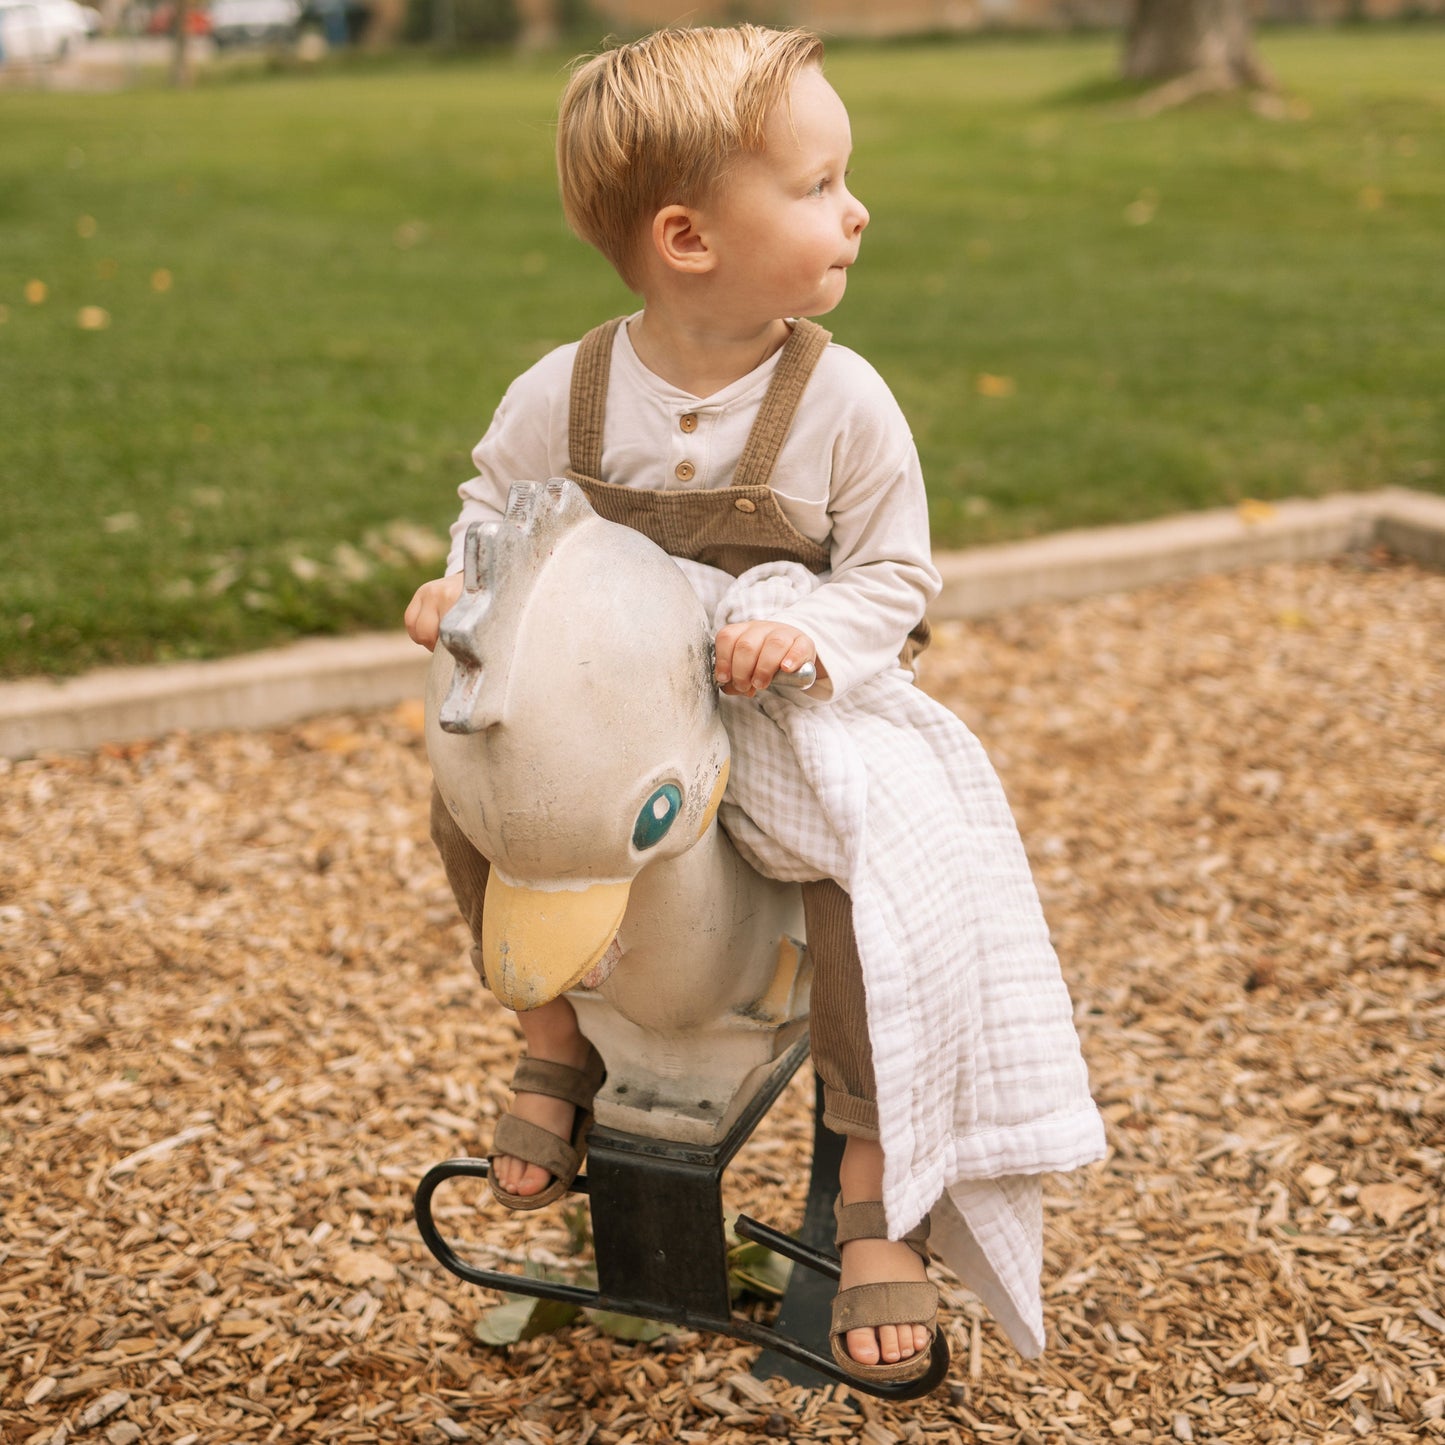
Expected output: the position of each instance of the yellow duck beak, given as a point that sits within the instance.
(537, 943)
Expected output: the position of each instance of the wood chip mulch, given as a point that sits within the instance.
(237, 1025)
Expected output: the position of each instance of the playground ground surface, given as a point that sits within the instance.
(237, 1024)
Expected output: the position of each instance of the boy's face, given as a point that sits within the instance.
(784, 224)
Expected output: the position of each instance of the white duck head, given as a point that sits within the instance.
(573, 730)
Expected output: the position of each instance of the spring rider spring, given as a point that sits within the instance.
(575, 736)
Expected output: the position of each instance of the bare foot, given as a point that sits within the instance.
(551, 1033)
(876, 1261)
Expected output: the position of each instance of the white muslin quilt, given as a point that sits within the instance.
(981, 1084)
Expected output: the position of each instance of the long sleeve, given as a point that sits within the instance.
(882, 576)
(526, 442)
(847, 476)
(851, 448)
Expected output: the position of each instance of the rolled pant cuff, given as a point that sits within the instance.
(844, 1114)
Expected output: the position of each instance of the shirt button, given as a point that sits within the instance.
(745, 504)
(688, 422)
(684, 471)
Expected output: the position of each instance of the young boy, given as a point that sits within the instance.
(711, 168)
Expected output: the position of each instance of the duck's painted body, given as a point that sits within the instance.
(574, 733)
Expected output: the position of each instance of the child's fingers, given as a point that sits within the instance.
(430, 602)
(777, 646)
(749, 655)
(739, 655)
(724, 645)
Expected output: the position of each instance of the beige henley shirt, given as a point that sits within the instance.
(848, 476)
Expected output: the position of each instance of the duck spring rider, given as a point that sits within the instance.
(586, 759)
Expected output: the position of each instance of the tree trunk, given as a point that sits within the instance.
(385, 21)
(181, 54)
(1207, 40)
(541, 23)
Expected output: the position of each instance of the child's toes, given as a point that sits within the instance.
(863, 1346)
(891, 1341)
(517, 1177)
(920, 1339)
(531, 1179)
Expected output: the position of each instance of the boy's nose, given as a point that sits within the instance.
(857, 216)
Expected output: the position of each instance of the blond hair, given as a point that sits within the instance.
(657, 122)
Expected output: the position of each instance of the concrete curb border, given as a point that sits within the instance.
(283, 685)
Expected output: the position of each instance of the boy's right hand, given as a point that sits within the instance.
(431, 602)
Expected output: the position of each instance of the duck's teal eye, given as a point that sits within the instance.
(658, 814)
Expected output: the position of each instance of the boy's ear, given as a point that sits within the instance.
(679, 240)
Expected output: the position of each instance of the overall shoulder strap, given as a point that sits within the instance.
(590, 368)
(775, 416)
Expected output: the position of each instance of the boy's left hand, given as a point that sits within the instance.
(751, 654)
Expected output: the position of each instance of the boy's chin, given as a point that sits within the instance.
(822, 305)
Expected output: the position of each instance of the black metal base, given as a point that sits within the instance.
(661, 1244)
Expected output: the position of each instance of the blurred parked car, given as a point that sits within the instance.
(255, 22)
(43, 29)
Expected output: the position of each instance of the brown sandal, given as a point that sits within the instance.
(531, 1143)
(867, 1306)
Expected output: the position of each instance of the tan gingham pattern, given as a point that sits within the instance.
(981, 1083)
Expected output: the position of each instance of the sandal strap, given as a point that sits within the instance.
(534, 1145)
(900, 1302)
(560, 1081)
(867, 1220)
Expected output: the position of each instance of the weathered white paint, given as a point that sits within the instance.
(575, 682)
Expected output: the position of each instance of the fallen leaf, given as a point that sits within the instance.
(419, 543)
(344, 744)
(85, 227)
(995, 386)
(754, 1269)
(161, 281)
(350, 562)
(627, 1327)
(411, 715)
(223, 577)
(1251, 511)
(36, 292)
(92, 318)
(1372, 198)
(522, 1318)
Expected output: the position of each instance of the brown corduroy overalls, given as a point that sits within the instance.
(731, 528)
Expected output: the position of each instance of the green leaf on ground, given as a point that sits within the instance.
(522, 1318)
(754, 1269)
(627, 1327)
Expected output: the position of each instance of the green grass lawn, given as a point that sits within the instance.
(315, 290)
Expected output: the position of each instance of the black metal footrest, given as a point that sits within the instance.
(687, 1284)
